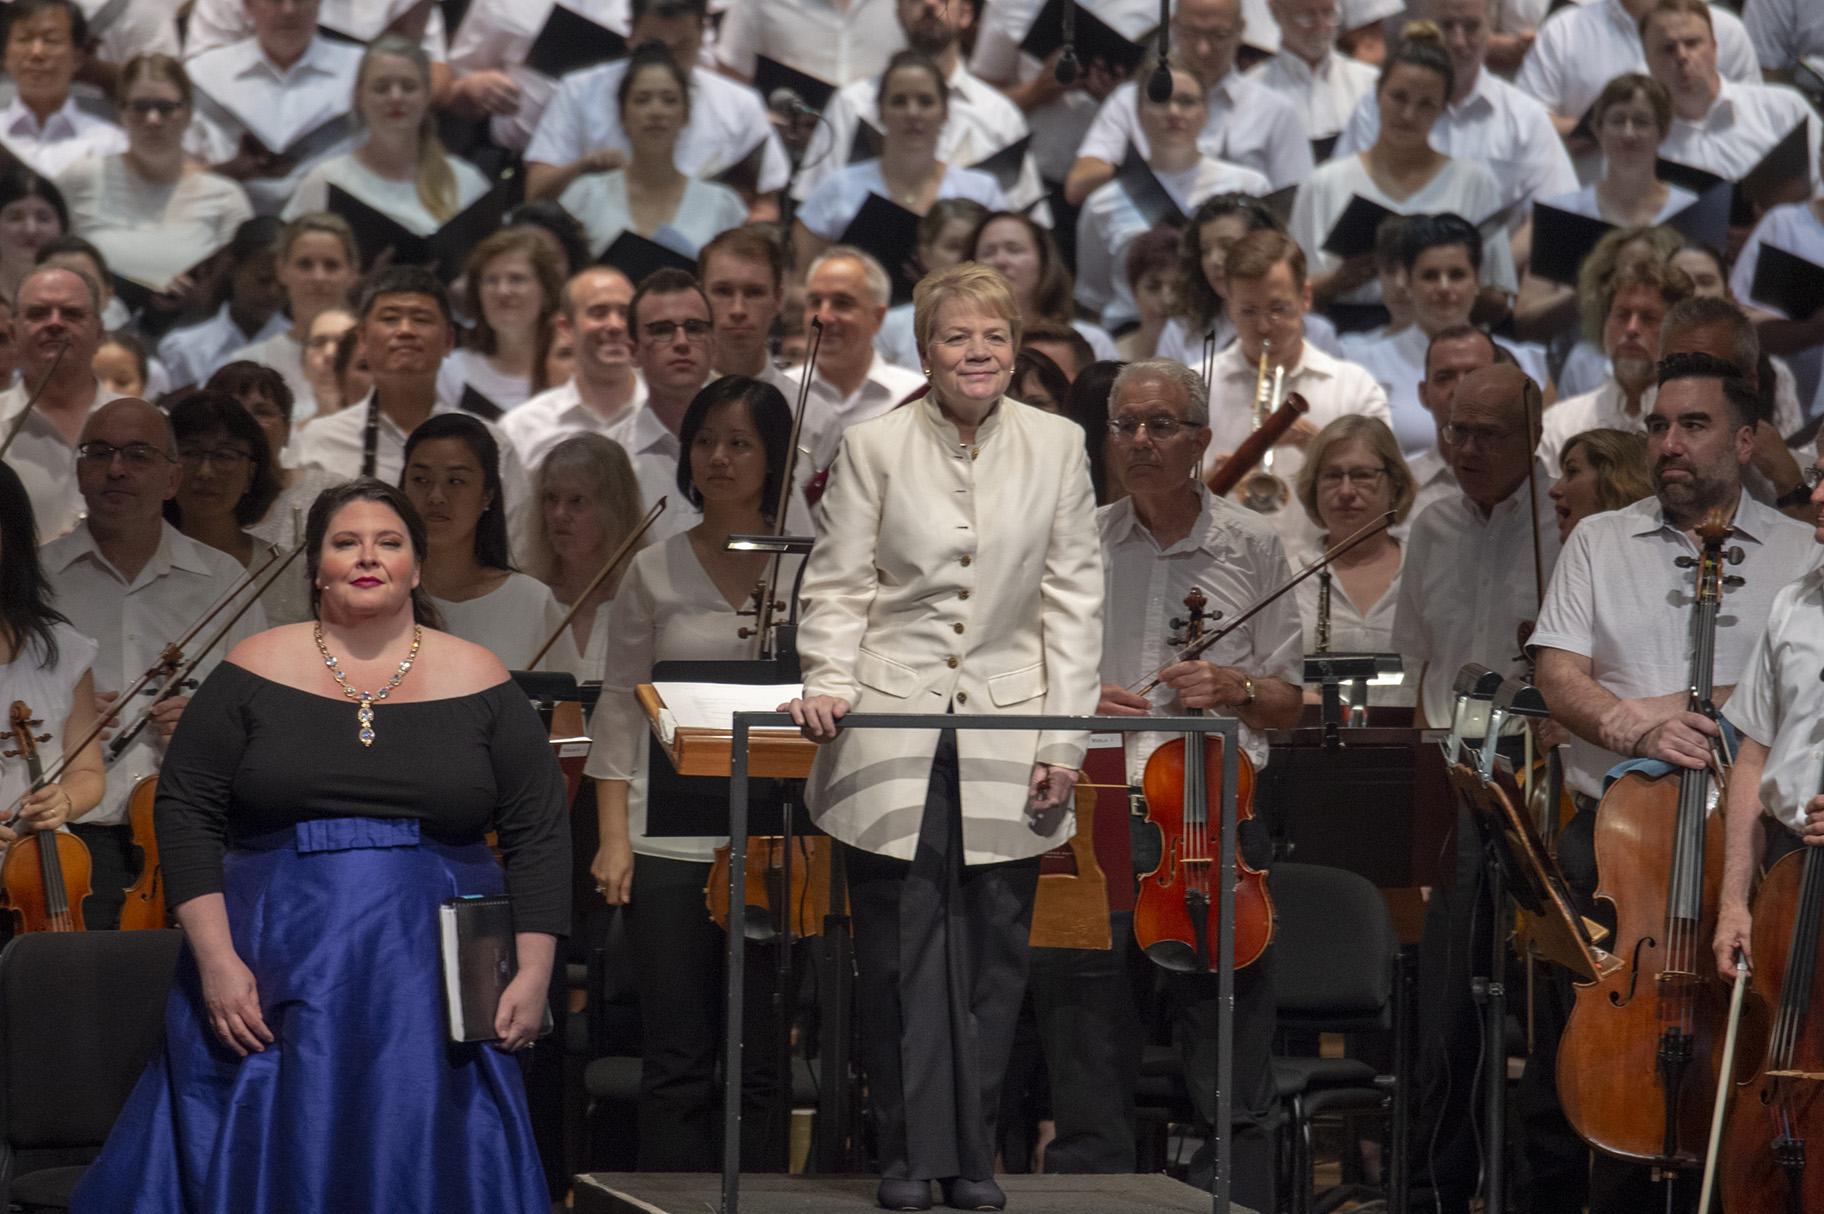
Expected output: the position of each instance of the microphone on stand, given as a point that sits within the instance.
(788, 104)
(1159, 84)
(1066, 70)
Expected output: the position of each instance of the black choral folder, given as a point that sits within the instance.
(636, 257)
(1354, 230)
(890, 232)
(570, 42)
(446, 248)
(480, 957)
(1788, 282)
(1561, 240)
(1093, 37)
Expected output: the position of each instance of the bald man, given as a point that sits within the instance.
(134, 583)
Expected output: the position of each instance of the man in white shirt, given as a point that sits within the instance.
(1450, 355)
(1635, 304)
(674, 342)
(847, 291)
(1582, 47)
(58, 313)
(981, 121)
(488, 56)
(1487, 120)
(1787, 35)
(834, 43)
(743, 273)
(135, 584)
(269, 107)
(251, 313)
(1249, 124)
(604, 390)
(1325, 84)
(219, 23)
(42, 125)
(1722, 127)
(580, 131)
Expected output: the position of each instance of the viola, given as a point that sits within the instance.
(145, 904)
(45, 875)
(1636, 1065)
(1177, 913)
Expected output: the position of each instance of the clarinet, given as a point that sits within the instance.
(1323, 611)
(370, 436)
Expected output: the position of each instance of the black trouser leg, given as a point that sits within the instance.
(113, 865)
(1090, 1028)
(1255, 1111)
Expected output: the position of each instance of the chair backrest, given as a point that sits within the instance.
(81, 1014)
(1334, 947)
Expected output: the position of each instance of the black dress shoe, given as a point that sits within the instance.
(904, 1194)
(961, 1193)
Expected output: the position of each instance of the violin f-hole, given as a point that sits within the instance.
(1619, 999)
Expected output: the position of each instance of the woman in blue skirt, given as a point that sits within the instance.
(328, 788)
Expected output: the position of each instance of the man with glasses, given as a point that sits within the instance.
(57, 323)
(1324, 83)
(1613, 641)
(1169, 535)
(1266, 302)
(1248, 124)
(134, 583)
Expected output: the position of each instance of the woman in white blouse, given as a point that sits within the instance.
(1110, 219)
(914, 100)
(1401, 172)
(452, 476)
(589, 500)
(154, 213)
(510, 286)
(649, 196)
(1353, 474)
(318, 265)
(684, 599)
(400, 168)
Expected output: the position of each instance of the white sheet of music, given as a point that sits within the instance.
(714, 705)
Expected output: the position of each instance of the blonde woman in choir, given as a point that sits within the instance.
(452, 478)
(589, 501)
(1603, 470)
(317, 268)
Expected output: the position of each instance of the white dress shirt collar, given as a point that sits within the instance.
(175, 551)
(1219, 526)
(63, 123)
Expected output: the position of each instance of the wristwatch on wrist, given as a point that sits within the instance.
(1798, 495)
(1247, 685)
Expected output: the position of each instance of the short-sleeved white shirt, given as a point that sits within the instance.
(1249, 125)
(834, 203)
(50, 690)
(1326, 95)
(1786, 33)
(67, 136)
(1580, 48)
(397, 199)
(555, 415)
(599, 201)
(151, 231)
(218, 23)
(192, 354)
(1742, 125)
(497, 35)
(833, 43)
(1796, 229)
(1617, 599)
(511, 622)
(1779, 701)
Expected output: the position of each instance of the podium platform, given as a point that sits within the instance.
(697, 1192)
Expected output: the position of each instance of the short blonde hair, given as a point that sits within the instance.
(1357, 428)
(1620, 461)
(968, 280)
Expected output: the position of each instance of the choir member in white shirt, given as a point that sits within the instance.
(1449, 356)
(1401, 171)
(944, 236)
(914, 107)
(604, 388)
(129, 580)
(400, 167)
(57, 312)
(245, 293)
(511, 288)
(1248, 123)
(1151, 266)
(318, 265)
(321, 344)
(45, 42)
(452, 477)
(270, 106)
(1354, 474)
(1796, 228)
(492, 77)
(261, 391)
(154, 214)
(1028, 258)
(1720, 126)
(1200, 315)
(589, 503)
(1325, 83)
(1487, 119)
(649, 196)
(216, 23)
(1113, 215)
(580, 131)
(46, 664)
(743, 273)
(1603, 470)
(1581, 47)
(32, 214)
(1787, 35)
(982, 120)
(834, 45)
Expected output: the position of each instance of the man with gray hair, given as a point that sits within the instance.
(848, 291)
(1168, 536)
(57, 312)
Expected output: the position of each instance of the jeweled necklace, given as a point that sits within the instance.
(367, 699)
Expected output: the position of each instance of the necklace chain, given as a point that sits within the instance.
(367, 699)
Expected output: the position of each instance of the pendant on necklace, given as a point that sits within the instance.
(365, 715)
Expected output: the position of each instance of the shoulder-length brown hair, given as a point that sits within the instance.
(1371, 431)
(1619, 460)
(366, 489)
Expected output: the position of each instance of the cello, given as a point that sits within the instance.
(1635, 1061)
(45, 875)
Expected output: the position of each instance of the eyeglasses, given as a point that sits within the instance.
(1478, 436)
(138, 456)
(1162, 427)
(1363, 479)
(1812, 477)
(665, 330)
(144, 107)
(224, 457)
(1313, 20)
(1278, 312)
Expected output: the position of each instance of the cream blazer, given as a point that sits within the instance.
(952, 576)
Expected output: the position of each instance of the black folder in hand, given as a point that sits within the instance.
(1788, 282)
(569, 42)
(1005, 165)
(480, 957)
(889, 232)
(445, 249)
(1561, 240)
(1782, 175)
(1148, 194)
(636, 257)
(1354, 230)
(1094, 38)
(867, 143)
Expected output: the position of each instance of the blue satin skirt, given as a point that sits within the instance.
(361, 1103)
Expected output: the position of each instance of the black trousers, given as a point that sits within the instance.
(941, 960)
(1254, 1116)
(113, 865)
(678, 965)
(1089, 1027)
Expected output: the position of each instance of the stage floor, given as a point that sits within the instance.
(700, 1193)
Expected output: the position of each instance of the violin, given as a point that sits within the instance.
(145, 904)
(1176, 916)
(1635, 1065)
(45, 875)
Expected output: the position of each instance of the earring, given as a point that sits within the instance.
(927, 372)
